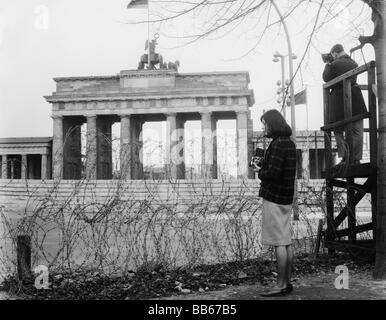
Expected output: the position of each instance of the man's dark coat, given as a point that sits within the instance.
(338, 67)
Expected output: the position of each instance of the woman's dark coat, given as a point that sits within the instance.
(338, 67)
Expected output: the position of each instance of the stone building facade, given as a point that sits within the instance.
(26, 158)
(134, 97)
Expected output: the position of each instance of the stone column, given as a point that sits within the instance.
(91, 148)
(207, 145)
(57, 148)
(214, 137)
(126, 146)
(23, 166)
(305, 165)
(4, 166)
(242, 144)
(136, 149)
(140, 148)
(44, 167)
(171, 160)
(180, 138)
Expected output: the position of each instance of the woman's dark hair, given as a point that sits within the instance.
(277, 126)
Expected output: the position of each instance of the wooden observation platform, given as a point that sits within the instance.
(343, 176)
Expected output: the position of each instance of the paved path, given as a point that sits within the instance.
(311, 287)
(319, 286)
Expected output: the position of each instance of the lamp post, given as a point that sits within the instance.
(292, 93)
(292, 96)
(277, 56)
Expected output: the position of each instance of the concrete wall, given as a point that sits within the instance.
(187, 222)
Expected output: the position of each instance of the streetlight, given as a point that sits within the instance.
(292, 94)
(277, 56)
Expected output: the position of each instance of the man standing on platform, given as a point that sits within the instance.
(338, 64)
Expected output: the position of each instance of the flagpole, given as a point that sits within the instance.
(307, 140)
(307, 109)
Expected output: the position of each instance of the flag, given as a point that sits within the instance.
(301, 97)
(138, 4)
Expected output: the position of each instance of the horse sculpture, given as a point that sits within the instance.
(155, 58)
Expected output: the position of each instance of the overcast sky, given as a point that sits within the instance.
(43, 39)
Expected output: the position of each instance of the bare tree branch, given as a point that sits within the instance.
(377, 19)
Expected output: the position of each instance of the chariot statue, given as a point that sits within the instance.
(156, 60)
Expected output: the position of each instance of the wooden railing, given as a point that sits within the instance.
(354, 192)
(346, 80)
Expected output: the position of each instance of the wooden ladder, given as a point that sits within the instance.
(343, 176)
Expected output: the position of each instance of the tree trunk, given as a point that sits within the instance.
(379, 43)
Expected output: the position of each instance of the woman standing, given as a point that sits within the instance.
(277, 175)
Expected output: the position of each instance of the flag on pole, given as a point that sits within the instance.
(301, 97)
(138, 4)
(143, 4)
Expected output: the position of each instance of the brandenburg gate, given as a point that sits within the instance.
(134, 97)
